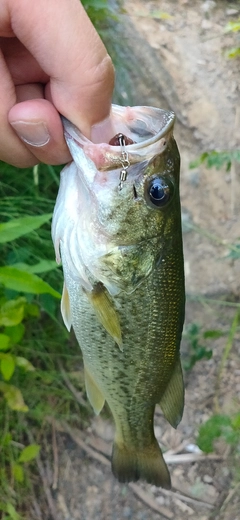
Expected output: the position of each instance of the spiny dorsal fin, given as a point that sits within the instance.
(65, 308)
(105, 311)
(172, 401)
(94, 394)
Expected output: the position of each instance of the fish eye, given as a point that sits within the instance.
(159, 191)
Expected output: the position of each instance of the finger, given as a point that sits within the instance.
(70, 52)
(22, 65)
(29, 91)
(39, 126)
(12, 150)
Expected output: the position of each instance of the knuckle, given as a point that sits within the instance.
(103, 73)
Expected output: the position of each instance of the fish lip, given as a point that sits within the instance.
(135, 146)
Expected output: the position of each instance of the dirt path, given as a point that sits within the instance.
(179, 63)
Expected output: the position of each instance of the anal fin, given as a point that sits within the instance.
(172, 401)
(94, 394)
(103, 306)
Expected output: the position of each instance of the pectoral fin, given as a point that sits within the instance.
(172, 401)
(94, 394)
(105, 311)
(65, 308)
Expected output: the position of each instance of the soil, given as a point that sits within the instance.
(179, 63)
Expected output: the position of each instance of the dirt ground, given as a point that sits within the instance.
(179, 63)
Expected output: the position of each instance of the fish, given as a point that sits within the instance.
(117, 231)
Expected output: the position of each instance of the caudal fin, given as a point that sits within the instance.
(129, 465)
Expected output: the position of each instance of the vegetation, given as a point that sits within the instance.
(197, 344)
(217, 160)
(32, 380)
(219, 425)
(222, 425)
(233, 27)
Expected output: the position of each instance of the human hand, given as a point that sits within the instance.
(51, 61)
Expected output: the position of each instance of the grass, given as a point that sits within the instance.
(34, 344)
(34, 347)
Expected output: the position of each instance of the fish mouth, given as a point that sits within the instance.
(149, 130)
(142, 125)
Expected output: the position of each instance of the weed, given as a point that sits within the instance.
(217, 159)
(222, 425)
(31, 384)
(233, 27)
(219, 425)
(197, 341)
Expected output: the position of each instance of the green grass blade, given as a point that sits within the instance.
(21, 226)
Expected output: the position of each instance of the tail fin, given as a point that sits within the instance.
(148, 464)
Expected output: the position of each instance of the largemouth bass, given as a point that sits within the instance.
(117, 229)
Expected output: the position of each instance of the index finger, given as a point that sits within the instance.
(62, 39)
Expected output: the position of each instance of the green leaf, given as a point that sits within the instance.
(13, 397)
(234, 252)
(18, 472)
(212, 334)
(234, 52)
(211, 430)
(236, 422)
(232, 26)
(32, 309)
(6, 439)
(7, 366)
(12, 512)
(217, 159)
(15, 333)
(49, 304)
(199, 161)
(21, 226)
(29, 453)
(12, 312)
(41, 267)
(24, 363)
(2, 505)
(4, 342)
(22, 281)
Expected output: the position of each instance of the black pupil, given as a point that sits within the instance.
(158, 192)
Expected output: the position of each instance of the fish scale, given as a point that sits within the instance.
(124, 292)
